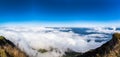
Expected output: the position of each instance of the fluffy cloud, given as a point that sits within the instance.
(31, 39)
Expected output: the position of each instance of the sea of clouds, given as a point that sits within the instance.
(31, 39)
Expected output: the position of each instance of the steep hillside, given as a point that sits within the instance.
(8, 49)
(109, 49)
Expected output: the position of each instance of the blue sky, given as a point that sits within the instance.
(60, 11)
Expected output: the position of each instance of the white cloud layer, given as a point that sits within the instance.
(31, 39)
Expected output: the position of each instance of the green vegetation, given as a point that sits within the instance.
(71, 54)
(109, 49)
(1, 37)
(42, 50)
(8, 49)
(116, 35)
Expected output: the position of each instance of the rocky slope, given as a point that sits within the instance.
(8, 49)
(109, 49)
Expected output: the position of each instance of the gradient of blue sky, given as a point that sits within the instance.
(60, 11)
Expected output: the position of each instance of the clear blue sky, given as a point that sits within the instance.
(60, 11)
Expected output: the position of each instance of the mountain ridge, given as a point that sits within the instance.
(8, 49)
(109, 49)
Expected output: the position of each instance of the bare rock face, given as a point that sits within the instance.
(109, 49)
(8, 49)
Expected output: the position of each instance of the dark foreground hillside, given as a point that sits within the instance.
(8, 49)
(109, 49)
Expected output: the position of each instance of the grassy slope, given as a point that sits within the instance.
(109, 49)
(8, 49)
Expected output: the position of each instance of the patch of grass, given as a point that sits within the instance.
(117, 35)
(1, 37)
(2, 53)
(42, 50)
